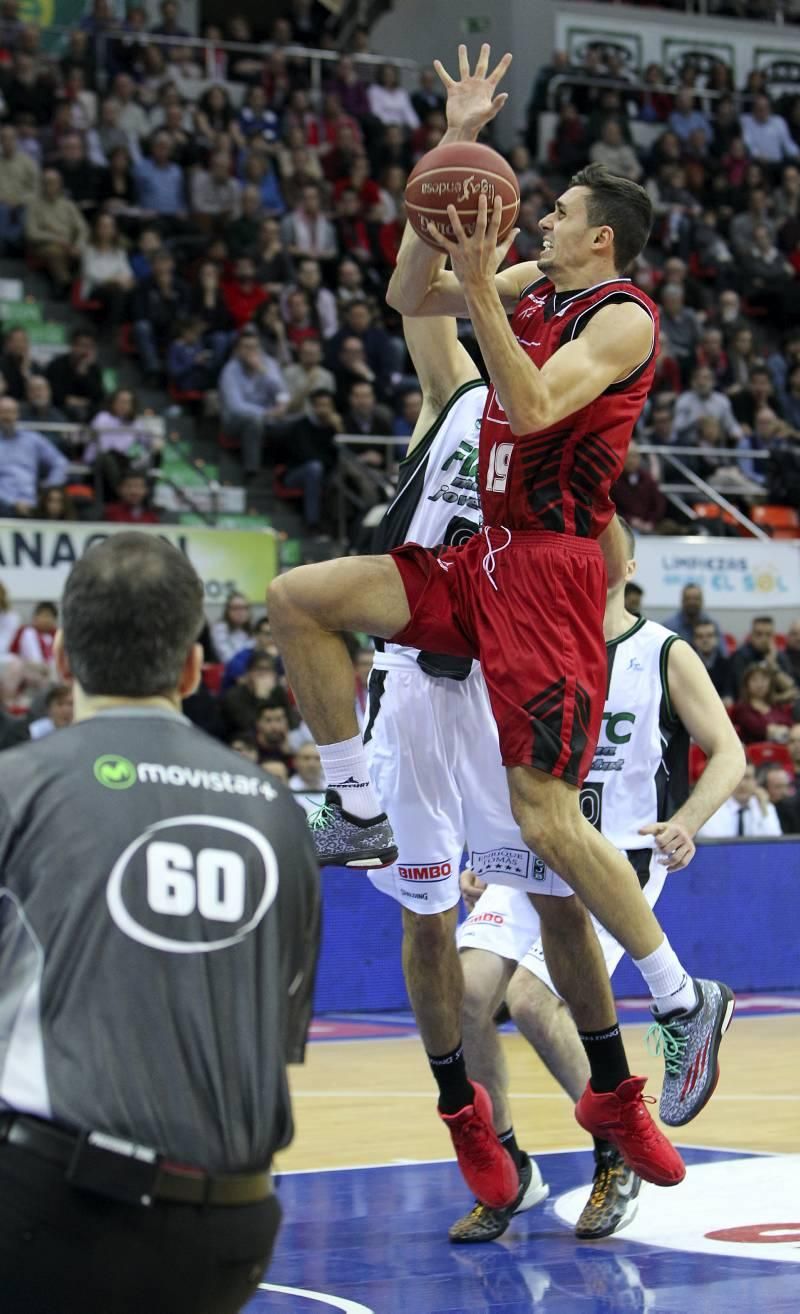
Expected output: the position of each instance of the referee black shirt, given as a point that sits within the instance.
(158, 938)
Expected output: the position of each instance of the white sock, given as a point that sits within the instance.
(345, 767)
(670, 985)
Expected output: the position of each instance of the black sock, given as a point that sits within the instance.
(509, 1140)
(602, 1147)
(450, 1072)
(607, 1062)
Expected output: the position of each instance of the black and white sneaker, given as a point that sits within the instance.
(613, 1201)
(485, 1224)
(342, 840)
(690, 1044)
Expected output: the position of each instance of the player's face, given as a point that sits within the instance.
(567, 235)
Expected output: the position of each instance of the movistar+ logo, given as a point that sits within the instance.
(114, 772)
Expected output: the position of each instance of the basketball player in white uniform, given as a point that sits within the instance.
(658, 692)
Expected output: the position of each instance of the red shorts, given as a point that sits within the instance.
(531, 611)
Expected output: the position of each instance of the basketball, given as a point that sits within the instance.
(459, 174)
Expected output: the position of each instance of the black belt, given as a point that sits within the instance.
(129, 1173)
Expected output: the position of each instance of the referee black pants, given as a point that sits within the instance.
(64, 1251)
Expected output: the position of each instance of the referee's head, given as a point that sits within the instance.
(131, 614)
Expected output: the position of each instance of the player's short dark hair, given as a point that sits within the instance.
(630, 537)
(49, 607)
(621, 204)
(632, 587)
(132, 608)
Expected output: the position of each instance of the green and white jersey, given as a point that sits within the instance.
(640, 769)
(437, 499)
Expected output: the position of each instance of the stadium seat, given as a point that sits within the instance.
(279, 488)
(779, 521)
(697, 762)
(769, 754)
(712, 511)
(731, 643)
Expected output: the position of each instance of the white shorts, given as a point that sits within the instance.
(505, 922)
(435, 762)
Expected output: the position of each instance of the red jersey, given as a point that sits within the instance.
(559, 479)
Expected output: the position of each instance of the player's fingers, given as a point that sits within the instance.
(496, 219)
(496, 106)
(500, 70)
(440, 239)
(444, 76)
(463, 62)
(457, 226)
(505, 246)
(483, 61)
(652, 829)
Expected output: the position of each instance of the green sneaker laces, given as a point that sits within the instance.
(661, 1039)
(321, 817)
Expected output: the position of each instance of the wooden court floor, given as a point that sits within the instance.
(373, 1101)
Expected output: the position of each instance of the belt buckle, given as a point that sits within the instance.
(117, 1169)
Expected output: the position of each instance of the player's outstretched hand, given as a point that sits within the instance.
(472, 888)
(475, 259)
(471, 101)
(674, 843)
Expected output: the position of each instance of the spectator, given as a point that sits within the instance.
(76, 379)
(305, 229)
(389, 102)
(308, 781)
(307, 376)
(766, 135)
(207, 303)
(272, 736)
(9, 626)
(16, 363)
(131, 506)
(707, 645)
(59, 711)
(38, 407)
(703, 400)
(793, 745)
(273, 333)
(276, 767)
(245, 745)
(410, 410)
(27, 462)
(55, 504)
(615, 152)
(190, 363)
(233, 631)
(307, 446)
(789, 659)
(215, 116)
(636, 494)
(119, 442)
(241, 704)
(760, 648)
(19, 185)
(777, 783)
(242, 294)
(28, 91)
(679, 326)
(323, 302)
(686, 120)
(274, 266)
(157, 304)
(253, 397)
(34, 644)
(160, 189)
(748, 812)
(259, 173)
(80, 177)
(743, 226)
(106, 274)
(215, 194)
(169, 26)
(364, 414)
(262, 641)
(633, 598)
(55, 231)
(758, 715)
(105, 140)
(243, 234)
(690, 613)
(380, 350)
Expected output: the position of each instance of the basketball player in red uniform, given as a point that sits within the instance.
(526, 597)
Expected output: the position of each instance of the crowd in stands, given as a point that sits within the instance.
(237, 235)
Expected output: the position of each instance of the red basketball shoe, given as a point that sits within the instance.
(487, 1168)
(620, 1117)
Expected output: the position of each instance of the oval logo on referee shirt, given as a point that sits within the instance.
(193, 884)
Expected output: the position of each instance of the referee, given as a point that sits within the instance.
(159, 926)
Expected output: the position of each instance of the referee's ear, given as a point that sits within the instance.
(192, 672)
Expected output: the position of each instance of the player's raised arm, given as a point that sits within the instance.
(698, 706)
(420, 285)
(441, 365)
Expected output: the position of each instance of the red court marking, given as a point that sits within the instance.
(758, 1233)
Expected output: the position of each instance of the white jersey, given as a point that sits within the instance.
(639, 773)
(437, 499)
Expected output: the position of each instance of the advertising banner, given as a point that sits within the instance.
(746, 573)
(36, 556)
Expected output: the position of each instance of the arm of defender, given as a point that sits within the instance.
(421, 286)
(440, 363)
(698, 705)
